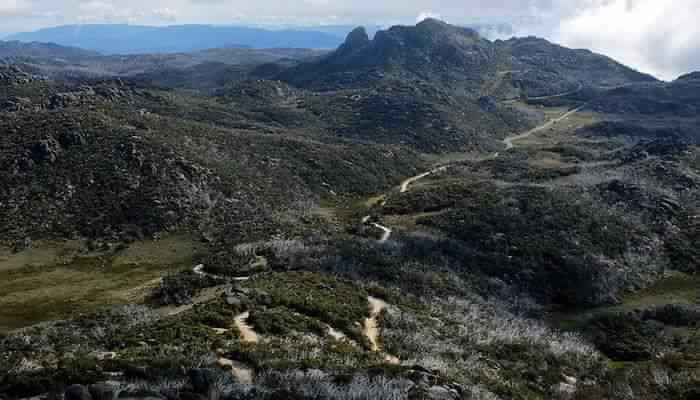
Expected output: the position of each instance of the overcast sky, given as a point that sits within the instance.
(656, 36)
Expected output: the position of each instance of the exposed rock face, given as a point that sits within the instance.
(46, 150)
(87, 95)
(356, 39)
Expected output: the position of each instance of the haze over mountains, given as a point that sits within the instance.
(134, 39)
(422, 213)
(130, 39)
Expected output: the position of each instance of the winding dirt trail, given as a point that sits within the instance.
(370, 327)
(551, 96)
(248, 334)
(405, 185)
(509, 140)
(199, 270)
(408, 182)
(554, 96)
(387, 232)
(243, 374)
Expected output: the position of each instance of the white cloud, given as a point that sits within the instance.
(14, 8)
(165, 13)
(657, 36)
(95, 11)
(427, 14)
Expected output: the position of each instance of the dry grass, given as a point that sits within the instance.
(41, 254)
(37, 291)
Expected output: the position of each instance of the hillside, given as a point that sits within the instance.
(422, 215)
(144, 151)
(539, 60)
(460, 61)
(195, 70)
(37, 49)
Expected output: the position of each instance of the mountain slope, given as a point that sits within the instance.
(459, 61)
(540, 59)
(36, 49)
(108, 159)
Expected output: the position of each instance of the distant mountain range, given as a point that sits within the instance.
(134, 39)
(36, 49)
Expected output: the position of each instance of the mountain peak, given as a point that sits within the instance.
(437, 28)
(433, 23)
(356, 39)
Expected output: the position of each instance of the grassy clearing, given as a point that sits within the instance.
(679, 288)
(171, 249)
(39, 291)
(41, 254)
(676, 289)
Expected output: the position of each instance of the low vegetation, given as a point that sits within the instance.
(221, 239)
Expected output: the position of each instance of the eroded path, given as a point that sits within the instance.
(551, 96)
(509, 140)
(248, 334)
(387, 232)
(370, 327)
(408, 182)
(243, 374)
(199, 270)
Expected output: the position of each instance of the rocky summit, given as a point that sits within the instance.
(422, 213)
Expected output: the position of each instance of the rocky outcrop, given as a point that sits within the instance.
(356, 39)
(88, 95)
(14, 104)
(14, 75)
(46, 150)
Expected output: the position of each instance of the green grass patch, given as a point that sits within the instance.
(679, 288)
(36, 293)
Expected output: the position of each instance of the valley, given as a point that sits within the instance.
(426, 214)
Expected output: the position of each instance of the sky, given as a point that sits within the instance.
(661, 37)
